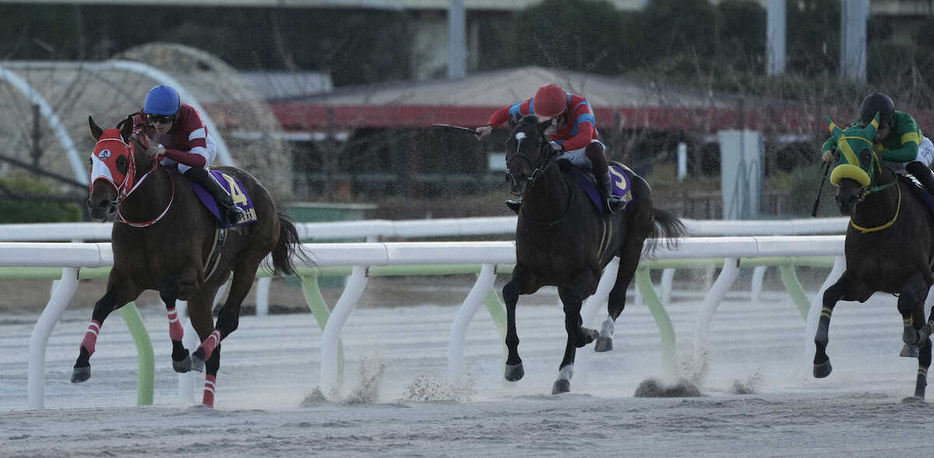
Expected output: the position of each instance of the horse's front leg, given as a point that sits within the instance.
(834, 293)
(114, 298)
(511, 291)
(168, 291)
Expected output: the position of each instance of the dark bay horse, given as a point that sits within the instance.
(165, 239)
(889, 245)
(563, 240)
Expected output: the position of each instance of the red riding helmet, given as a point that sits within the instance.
(550, 100)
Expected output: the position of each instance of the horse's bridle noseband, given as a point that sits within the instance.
(546, 156)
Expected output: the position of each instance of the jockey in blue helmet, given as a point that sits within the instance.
(179, 136)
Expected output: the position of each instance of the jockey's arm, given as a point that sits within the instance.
(582, 139)
(502, 115)
(906, 153)
(189, 158)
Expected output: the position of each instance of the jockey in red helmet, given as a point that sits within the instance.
(174, 131)
(573, 134)
(898, 140)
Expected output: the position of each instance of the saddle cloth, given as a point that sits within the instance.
(620, 182)
(236, 190)
(919, 190)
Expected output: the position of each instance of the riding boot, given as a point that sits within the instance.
(923, 174)
(612, 202)
(229, 210)
(514, 205)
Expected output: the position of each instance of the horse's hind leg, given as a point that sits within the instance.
(628, 262)
(924, 362)
(113, 299)
(168, 291)
(911, 307)
(578, 336)
(228, 319)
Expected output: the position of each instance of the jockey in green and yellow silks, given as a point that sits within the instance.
(898, 140)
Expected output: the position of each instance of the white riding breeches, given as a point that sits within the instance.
(925, 156)
(578, 157)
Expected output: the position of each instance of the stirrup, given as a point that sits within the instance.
(514, 205)
(614, 205)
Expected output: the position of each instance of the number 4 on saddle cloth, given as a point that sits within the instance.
(240, 198)
(619, 179)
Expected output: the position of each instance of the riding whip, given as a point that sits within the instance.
(457, 128)
(820, 190)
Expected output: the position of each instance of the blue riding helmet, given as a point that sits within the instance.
(162, 100)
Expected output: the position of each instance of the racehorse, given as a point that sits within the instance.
(564, 240)
(889, 245)
(165, 239)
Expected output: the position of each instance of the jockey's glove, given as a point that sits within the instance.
(559, 148)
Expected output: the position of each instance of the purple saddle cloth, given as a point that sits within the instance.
(620, 182)
(236, 190)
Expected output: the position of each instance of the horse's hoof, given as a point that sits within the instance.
(603, 344)
(911, 337)
(823, 369)
(561, 386)
(514, 373)
(912, 400)
(197, 361)
(81, 374)
(182, 366)
(909, 351)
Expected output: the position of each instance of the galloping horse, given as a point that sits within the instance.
(889, 245)
(564, 240)
(165, 239)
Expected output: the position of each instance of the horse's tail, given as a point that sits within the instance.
(289, 245)
(666, 226)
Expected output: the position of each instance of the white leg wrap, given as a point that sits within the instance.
(566, 372)
(609, 327)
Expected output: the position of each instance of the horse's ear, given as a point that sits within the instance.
(126, 128)
(543, 126)
(96, 130)
(874, 125)
(834, 130)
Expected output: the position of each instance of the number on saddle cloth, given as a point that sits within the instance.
(618, 178)
(237, 192)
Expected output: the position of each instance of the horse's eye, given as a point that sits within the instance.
(122, 164)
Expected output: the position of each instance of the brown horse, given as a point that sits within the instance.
(165, 239)
(563, 240)
(889, 246)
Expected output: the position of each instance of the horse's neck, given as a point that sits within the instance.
(878, 208)
(547, 198)
(150, 197)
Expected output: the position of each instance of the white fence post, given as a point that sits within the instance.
(38, 341)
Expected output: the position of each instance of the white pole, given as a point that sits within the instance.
(465, 314)
(38, 341)
(330, 338)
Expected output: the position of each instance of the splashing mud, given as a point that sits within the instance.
(652, 388)
(426, 389)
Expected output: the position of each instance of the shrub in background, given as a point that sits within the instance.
(21, 201)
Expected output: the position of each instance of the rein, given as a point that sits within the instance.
(546, 158)
(865, 191)
(123, 193)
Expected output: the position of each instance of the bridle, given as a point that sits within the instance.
(545, 157)
(130, 183)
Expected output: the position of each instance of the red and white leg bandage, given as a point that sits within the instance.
(176, 331)
(90, 337)
(210, 383)
(210, 343)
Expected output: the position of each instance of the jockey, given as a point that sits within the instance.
(573, 135)
(898, 140)
(174, 131)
